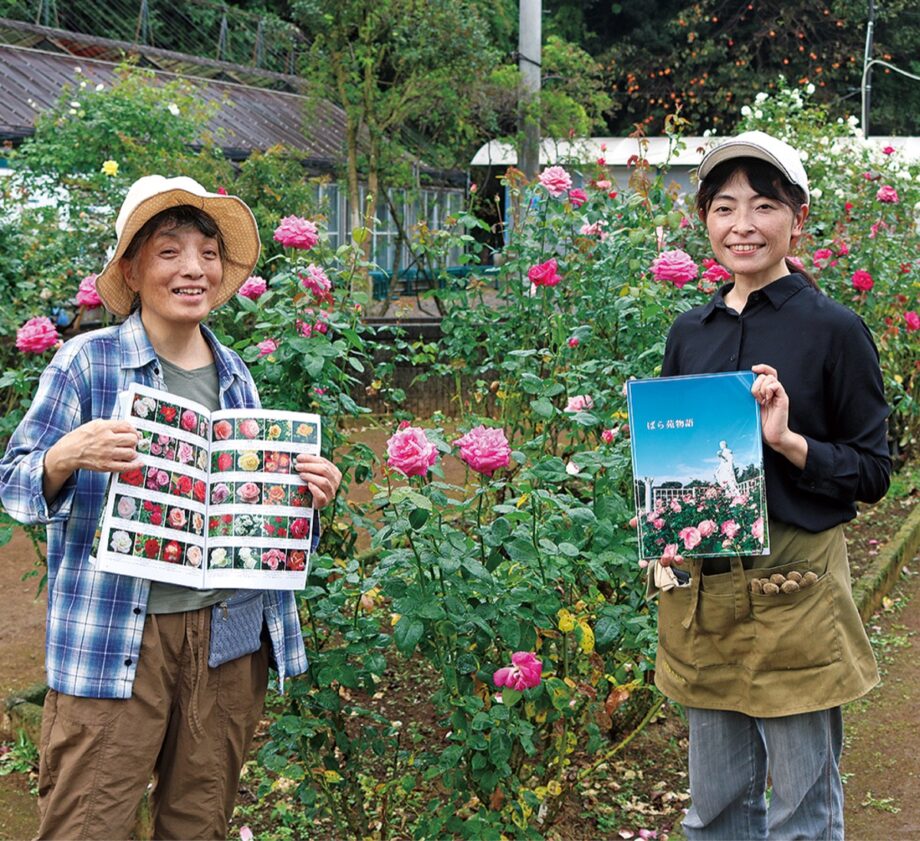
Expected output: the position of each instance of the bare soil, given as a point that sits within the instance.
(645, 786)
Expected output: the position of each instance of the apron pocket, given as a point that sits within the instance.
(721, 639)
(795, 630)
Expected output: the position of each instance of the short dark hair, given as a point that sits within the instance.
(180, 216)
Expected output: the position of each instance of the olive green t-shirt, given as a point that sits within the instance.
(202, 386)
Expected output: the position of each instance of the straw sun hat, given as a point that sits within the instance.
(153, 193)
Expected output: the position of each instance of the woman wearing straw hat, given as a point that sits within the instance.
(763, 671)
(142, 683)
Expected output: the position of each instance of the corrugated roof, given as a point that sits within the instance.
(251, 118)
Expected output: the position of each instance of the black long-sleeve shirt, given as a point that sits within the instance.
(827, 362)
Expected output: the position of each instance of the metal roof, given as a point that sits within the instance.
(31, 81)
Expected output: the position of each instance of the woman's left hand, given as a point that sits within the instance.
(321, 476)
(768, 391)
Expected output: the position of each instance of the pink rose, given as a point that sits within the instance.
(675, 266)
(579, 403)
(577, 197)
(410, 451)
(87, 296)
(188, 420)
(299, 528)
(249, 428)
(267, 347)
(556, 181)
(526, 672)
(223, 430)
(603, 184)
(297, 232)
(176, 518)
(757, 528)
(675, 506)
(913, 321)
(253, 288)
(248, 492)
(706, 528)
(595, 229)
(670, 555)
(316, 281)
(715, 272)
(730, 528)
(608, 435)
(545, 274)
(888, 150)
(862, 280)
(887, 194)
(126, 507)
(574, 342)
(691, 537)
(485, 449)
(274, 558)
(219, 493)
(186, 454)
(821, 259)
(37, 335)
(658, 524)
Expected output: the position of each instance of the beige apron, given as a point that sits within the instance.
(720, 646)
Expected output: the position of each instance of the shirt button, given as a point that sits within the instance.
(137, 610)
(732, 358)
(128, 661)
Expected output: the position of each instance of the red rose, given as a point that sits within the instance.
(151, 547)
(172, 551)
(296, 561)
(299, 528)
(198, 490)
(133, 477)
(224, 461)
(168, 413)
(223, 430)
(227, 518)
(156, 518)
(184, 485)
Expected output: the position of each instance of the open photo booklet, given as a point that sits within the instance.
(217, 502)
(697, 457)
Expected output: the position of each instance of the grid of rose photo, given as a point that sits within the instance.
(264, 461)
(171, 482)
(260, 493)
(170, 448)
(151, 548)
(262, 558)
(157, 514)
(258, 525)
(170, 414)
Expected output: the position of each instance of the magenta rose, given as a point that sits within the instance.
(188, 420)
(556, 181)
(37, 335)
(887, 194)
(525, 672)
(297, 232)
(484, 449)
(821, 259)
(608, 435)
(299, 528)
(267, 347)
(315, 280)
(675, 266)
(913, 321)
(87, 296)
(716, 273)
(862, 280)
(545, 274)
(253, 288)
(410, 451)
(223, 430)
(577, 197)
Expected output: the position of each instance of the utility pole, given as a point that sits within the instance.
(867, 69)
(529, 62)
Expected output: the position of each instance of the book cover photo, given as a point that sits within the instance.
(217, 502)
(697, 457)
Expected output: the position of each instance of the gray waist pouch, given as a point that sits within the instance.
(236, 627)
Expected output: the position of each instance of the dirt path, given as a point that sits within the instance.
(882, 754)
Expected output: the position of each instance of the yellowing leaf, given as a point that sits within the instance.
(566, 621)
(587, 637)
(554, 788)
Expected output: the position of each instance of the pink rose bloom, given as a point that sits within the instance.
(223, 430)
(579, 403)
(176, 518)
(595, 229)
(297, 232)
(87, 296)
(706, 528)
(913, 321)
(188, 420)
(316, 281)
(267, 347)
(757, 528)
(675, 506)
(526, 672)
(730, 528)
(888, 150)
(410, 451)
(716, 273)
(608, 435)
(842, 248)
(193, 556)
(862, 280)
(822, 258)
(556, 181)
(126, 507)
(273, 558)
(219, 493)
(577, 197)
(691, 537)
(299, 528)
(248, 492)
(675, 266)
(253, 288)
(249, 428)
(186, 454)
(670, 555)
(887, 194)
(545, 274)
(658, 524)
(603, 184)
(37, 335)
(485, 449)
(574, 342)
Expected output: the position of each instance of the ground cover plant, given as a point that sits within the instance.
(509, 594)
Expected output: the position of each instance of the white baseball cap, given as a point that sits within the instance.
(760, 145)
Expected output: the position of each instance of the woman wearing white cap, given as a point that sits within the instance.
(763, 674)
(142, 681)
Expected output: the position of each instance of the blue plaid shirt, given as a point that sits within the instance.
(96, 619)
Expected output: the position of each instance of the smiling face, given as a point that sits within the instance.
(751, 233)
(176, 273)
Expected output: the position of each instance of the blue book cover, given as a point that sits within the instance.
(697, 457)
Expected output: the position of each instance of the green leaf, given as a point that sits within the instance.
(511, 696)
(418, 517)
(407, 633)
(543, 408)
(417, 499)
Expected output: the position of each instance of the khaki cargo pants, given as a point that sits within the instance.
(186, 726)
